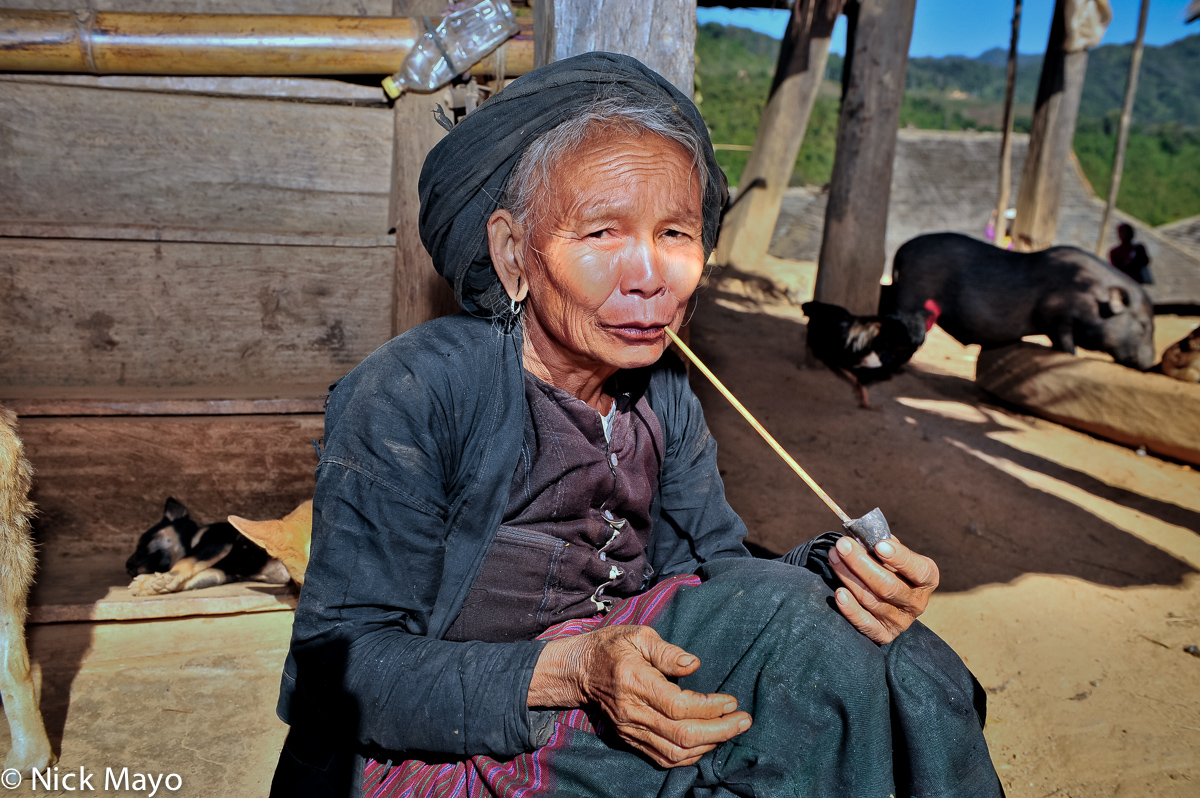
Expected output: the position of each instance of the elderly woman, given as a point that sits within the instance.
(525, 578)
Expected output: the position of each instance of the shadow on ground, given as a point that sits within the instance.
(937, 465)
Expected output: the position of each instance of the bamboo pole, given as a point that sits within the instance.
(760, 429)
(1010, 91)
(1114, 184)
(111, 43)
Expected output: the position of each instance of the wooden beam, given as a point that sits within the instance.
(109, 314)
(1000, 226)
(852, 247)
(747, 228)
(1114, 184)
(659, 33)
(1050, 136)
(418, 293)
(75, 156)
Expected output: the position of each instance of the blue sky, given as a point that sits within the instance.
(968, 27)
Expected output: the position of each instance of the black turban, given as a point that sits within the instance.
(465, 174)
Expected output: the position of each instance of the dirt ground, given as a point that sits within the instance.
(1069, 579)
(1069, 564)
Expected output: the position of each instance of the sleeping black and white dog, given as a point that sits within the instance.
(179, 554)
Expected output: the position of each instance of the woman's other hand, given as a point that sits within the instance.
(884, 594)
(625, 671)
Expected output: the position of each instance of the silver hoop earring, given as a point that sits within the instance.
(514, 306)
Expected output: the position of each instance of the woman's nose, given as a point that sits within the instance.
(643, 270)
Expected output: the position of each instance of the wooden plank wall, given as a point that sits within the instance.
(193, 239)
(160, 232)
(80, 312)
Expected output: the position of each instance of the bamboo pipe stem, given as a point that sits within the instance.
(774, 444)
(112, 43)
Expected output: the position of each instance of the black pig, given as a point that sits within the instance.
(989, 296)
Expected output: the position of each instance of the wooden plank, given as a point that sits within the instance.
(350, 8)
(748, 226)
(852, 248)
(1097, 396)
(119, 604)
(82, 156)
(659, 33)
(135, 232)
(311, 90)
(100, 482)
(43, 401)
(419, 293)
(98, 313)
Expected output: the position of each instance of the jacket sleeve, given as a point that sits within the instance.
(364, 665)
(693, 521)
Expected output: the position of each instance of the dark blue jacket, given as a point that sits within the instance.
(421, 442)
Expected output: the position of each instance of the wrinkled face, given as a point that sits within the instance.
(615, 251)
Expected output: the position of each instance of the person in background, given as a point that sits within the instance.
(1130, 256)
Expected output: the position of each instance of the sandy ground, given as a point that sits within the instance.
(1069, 572)
(1069, 564)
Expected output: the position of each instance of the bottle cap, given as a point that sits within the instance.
(391, 87)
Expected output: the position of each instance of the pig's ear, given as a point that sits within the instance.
(1118, 302)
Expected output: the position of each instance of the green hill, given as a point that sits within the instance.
(734, 68)
(1162, 174)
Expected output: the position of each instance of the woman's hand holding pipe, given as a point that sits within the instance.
(625, 671)
(883, 594)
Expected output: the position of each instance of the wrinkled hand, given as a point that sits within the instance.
(884, 594)
(624, 670)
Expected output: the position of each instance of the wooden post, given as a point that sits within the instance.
(659, 33)
(1005, 188)
(746, 231)
(419, 292)
(852, 248)
(1114, 183)
(1054, 115)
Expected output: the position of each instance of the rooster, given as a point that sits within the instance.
(866, 349)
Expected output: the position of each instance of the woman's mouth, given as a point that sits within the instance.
(637, 332)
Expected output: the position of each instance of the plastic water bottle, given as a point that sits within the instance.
(453, 46)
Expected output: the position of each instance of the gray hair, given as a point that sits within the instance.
(631, 114)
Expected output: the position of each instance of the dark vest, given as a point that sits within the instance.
(573, 540)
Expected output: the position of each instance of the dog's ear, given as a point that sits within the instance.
(173, 510)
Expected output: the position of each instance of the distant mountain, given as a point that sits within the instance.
(1168, 87)
(976, 77)
(998, 57)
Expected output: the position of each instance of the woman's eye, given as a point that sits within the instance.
(598, 234)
